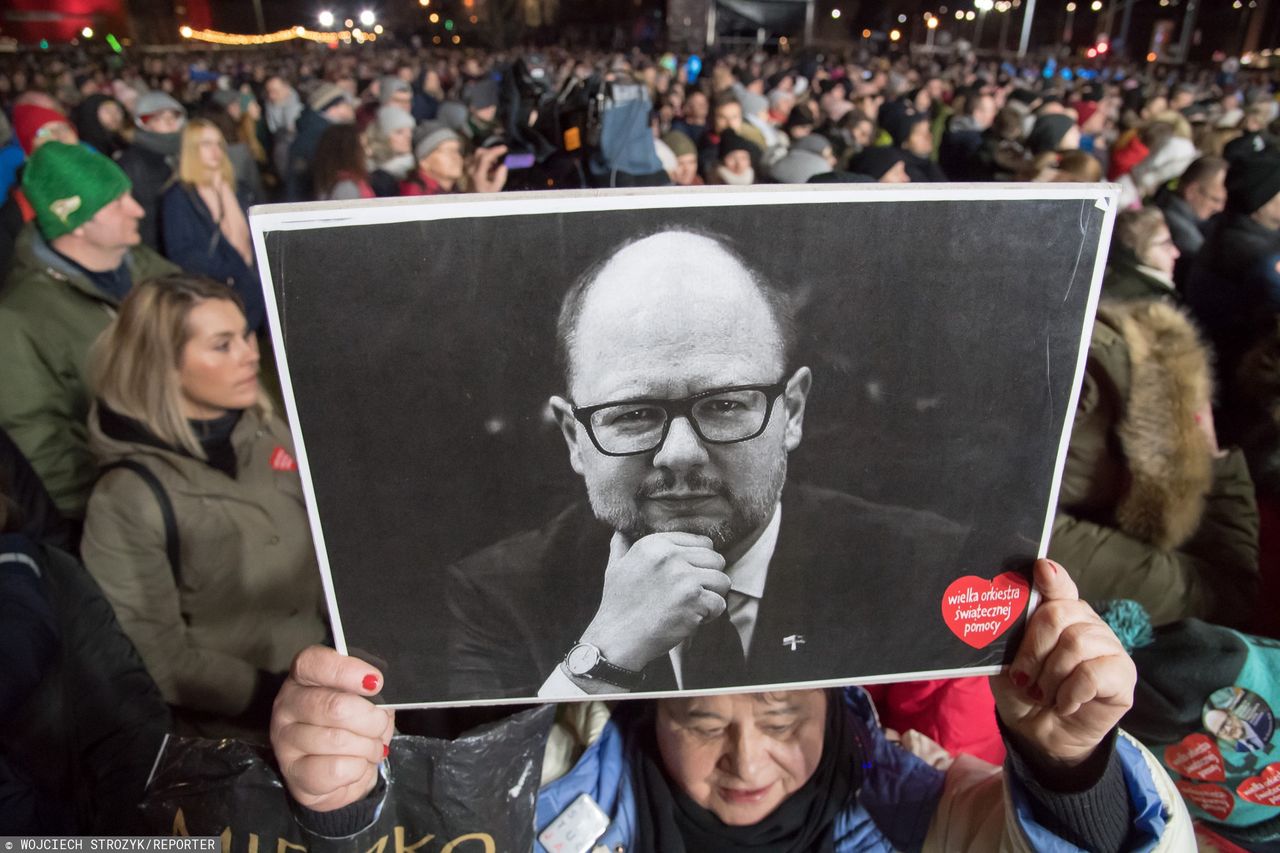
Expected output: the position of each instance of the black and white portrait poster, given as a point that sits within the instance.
(560, 444)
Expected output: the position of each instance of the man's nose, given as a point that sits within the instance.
(682, 448)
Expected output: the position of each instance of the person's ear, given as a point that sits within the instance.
(794, 398)
(562, 410)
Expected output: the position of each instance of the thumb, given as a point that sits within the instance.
(1053, 582)
(619, 545)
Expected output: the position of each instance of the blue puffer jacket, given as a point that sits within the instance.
(896, 806)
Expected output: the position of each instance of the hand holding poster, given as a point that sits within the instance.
(803, 446)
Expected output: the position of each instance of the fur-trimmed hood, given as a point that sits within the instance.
(1138, 459)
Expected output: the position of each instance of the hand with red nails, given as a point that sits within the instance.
(327, 736)
(1071, 680)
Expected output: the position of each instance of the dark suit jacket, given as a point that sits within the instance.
(518, 606)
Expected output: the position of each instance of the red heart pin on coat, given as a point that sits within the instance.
(1213, 800)
(1196, 757)
(282, 460)
(978, 610)
(1264, 789)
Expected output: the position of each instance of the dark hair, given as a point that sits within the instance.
(339, 156)
(780, 303)
(1202, 171)
(222, 120)
(1008, 124)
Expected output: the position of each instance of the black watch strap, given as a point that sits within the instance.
(600, 669)
(610, 674)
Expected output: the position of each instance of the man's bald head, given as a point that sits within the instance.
(665, 281)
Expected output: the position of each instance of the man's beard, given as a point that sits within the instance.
(748, 511)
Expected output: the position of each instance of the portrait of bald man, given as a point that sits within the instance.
(693, 562)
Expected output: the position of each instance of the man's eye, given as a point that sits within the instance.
(708, 733)
(725, 407)
(776, 731)
(633, 417)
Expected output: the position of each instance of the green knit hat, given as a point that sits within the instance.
(68, 184)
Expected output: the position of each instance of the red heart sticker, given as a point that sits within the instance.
(978, 610)
(281, 460)
(1214, 800)
(1263, 790)
(1196, 757)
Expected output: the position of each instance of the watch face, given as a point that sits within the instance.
(582, 659)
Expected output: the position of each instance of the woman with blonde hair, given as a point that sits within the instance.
(203, 224)
(196, 530)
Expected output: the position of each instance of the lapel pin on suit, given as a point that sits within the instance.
(794, 641)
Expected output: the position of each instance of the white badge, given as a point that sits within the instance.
(576, 828)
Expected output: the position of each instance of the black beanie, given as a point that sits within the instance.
(874, 162)
(1048, 131)
(730, 141)
(1252, 182)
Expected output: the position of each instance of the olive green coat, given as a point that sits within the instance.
(50, 314)
(249, 597)
(1145, 510)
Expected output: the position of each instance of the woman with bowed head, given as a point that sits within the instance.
(804, 771)
(204, 226)
(196, 530)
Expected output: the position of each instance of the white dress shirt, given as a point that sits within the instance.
(747, 578)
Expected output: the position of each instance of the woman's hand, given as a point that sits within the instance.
(1071, 680)
(328, 738)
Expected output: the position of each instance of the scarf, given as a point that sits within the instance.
(726, 177)
(668, 821)
(283, 116)
(168, 144)
(214, 436)
(398, 166)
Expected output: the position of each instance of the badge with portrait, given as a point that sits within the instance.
(615, 443)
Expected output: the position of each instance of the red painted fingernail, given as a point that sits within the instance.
(370, 682)
(386, 750)
(1020, 679)
(1036, 694)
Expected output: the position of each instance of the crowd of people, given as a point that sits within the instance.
(139, 439)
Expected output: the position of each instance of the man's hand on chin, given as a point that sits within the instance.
(657, 591)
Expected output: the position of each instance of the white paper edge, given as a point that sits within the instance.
(295, 428)
(889, 678)
(1112, 200)
(335, 214)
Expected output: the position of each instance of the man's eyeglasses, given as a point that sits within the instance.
(718, 416)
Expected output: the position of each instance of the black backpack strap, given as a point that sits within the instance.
(171, 545)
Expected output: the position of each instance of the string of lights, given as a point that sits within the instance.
(325, 37)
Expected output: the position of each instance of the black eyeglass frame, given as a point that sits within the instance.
(682, 407)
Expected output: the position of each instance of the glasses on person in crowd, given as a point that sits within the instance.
(718, 416)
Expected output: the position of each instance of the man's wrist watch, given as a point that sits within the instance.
(586, 661)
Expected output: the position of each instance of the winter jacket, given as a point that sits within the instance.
(903, 804)
(50, 314)
(193, 241)
(246, 597)
(1127, 279)
(1186, 230)
(1234, 286)
(302, 153)
(958, 152)
(1144, 511)
(75, 753)
(150, 162)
